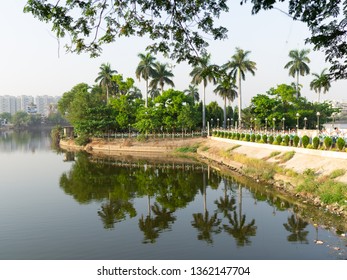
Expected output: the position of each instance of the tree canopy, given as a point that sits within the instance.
(182, 29)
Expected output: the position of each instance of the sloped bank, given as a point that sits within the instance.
(292, 170)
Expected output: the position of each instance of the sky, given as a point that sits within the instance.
(31, 62)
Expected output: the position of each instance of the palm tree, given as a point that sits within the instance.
(227, 90)
(321, 81)
(105, 77)
(192, 91)
(161, 75)
(204, 72)
(298, 65)
(239, 65)
(145, 69)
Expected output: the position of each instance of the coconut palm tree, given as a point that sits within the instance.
(226, 88)
(298, 65)
(161, 75)
(239, 65)
(145, 69)
(320, 82)
(296, 226)
(105, 77)
(192, 91)
(204, 72)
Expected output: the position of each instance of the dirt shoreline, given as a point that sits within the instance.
(211, 149)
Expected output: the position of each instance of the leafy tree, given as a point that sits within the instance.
(214, 112)
(204, 72)
(21, 120)
(320, 82)
(161, 76)
(238, 66)
(6, 116)
(226, 88)
(145, 69)
(298, 65)
(105, 78)
(91, 24)
(182, 36)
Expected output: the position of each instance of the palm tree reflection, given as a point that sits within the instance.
(115, 211)
(205, 224)
(296, 227)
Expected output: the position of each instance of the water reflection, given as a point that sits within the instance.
(296, 227)
(164, 188)
(24, 141)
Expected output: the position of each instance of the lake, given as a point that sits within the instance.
(59, 205)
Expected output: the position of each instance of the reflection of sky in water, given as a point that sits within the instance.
(39, 220)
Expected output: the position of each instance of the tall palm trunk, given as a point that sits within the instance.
(225, 112)
(203, 110)
(107, 96)
(297, 84)
(318, 96)
(146, 100)
(239, 93)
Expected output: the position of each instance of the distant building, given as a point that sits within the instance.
(43, 105)
(8, 104)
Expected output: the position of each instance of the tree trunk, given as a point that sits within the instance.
(146, 94)
(297, 84)
(240, 101)
(203, 111)
(225, 112)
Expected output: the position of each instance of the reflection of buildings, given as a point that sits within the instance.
(40, 104)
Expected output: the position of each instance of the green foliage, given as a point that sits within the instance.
(264, 137)
(238, 135)
(315, 142)
(286, 140)
(279, 139)
(271, 139)
(253, 138)
(296, 140)
(309, 172)
(21, 120)
(340, 143)
(258, 137)
(333, 192)
(328, 142)
(248, 137)
(305, 141)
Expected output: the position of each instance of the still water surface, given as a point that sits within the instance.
(57, 205)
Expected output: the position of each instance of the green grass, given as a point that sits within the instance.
(286, 156)
(337, 173)
(188, 149)
(233, 148)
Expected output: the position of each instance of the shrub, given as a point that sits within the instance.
(253, 138)
(271, 139)
(337, 173)
(340, 143)
(305, 141)
(242, 135)
(264, 137)
(315, 142)
(238, 135)
(275, 142)
(258, 137)
(248, 137)
(296, 140)
(286, 140)
(309, 146)
(328, 142)
(279, 139)
(82, 140)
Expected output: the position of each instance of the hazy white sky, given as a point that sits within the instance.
(29, 62)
